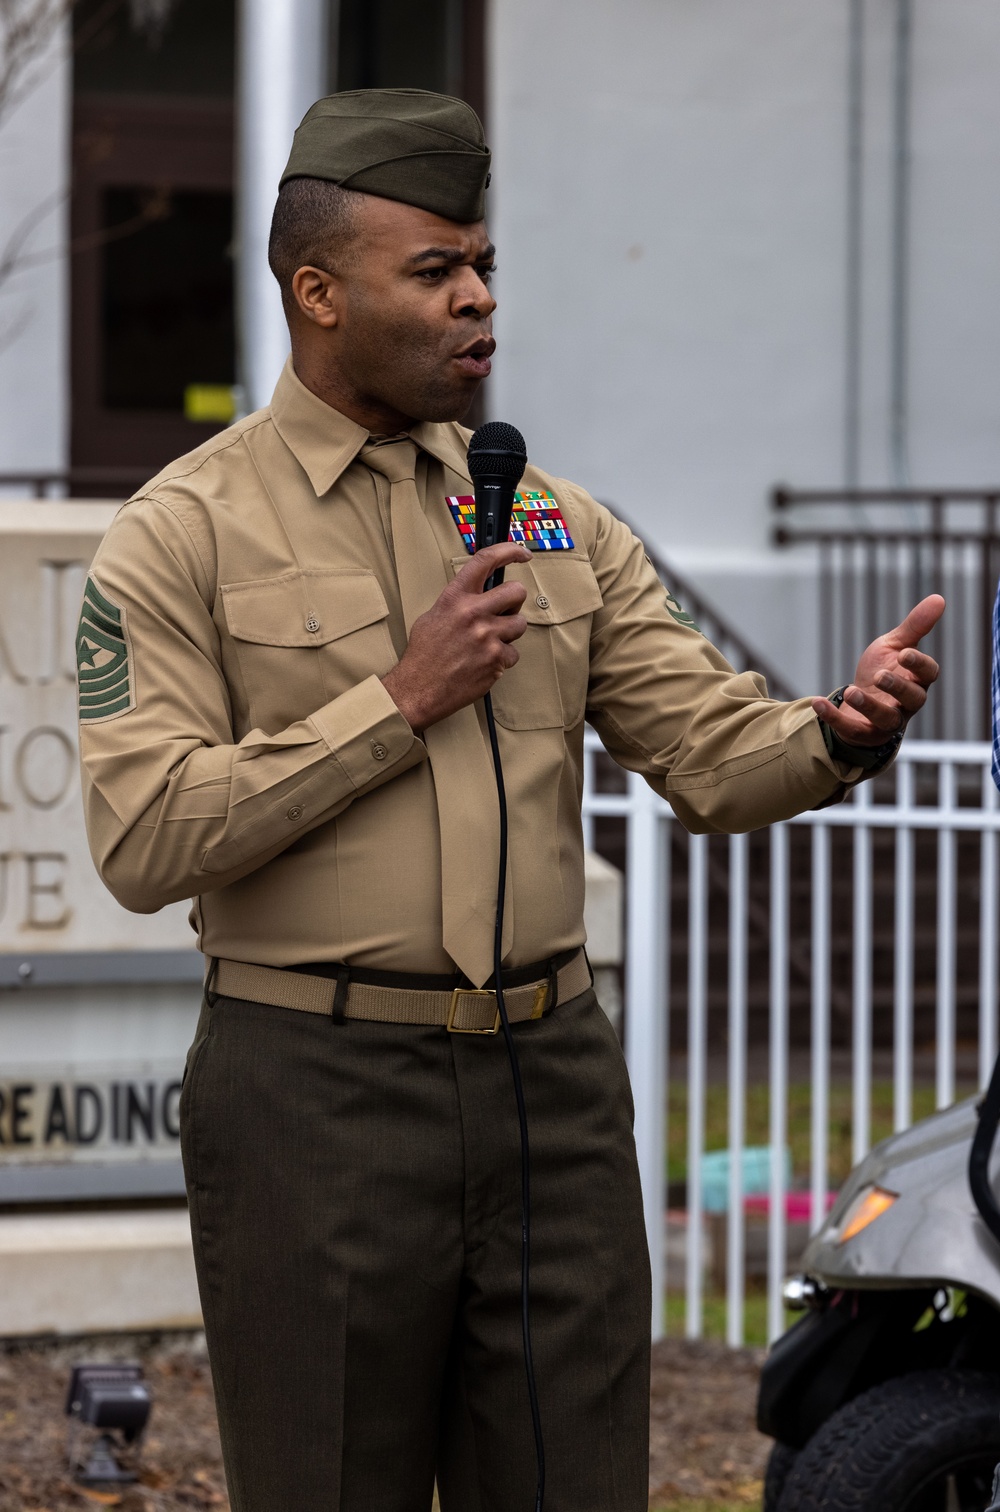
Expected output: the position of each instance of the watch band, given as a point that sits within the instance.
(869, 758)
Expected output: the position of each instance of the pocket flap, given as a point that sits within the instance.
(303, 608)
(560, 587)
(567, 583)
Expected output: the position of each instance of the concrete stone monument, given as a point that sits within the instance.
(97, 1005)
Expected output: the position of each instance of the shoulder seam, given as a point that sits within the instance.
(194, 547)
(175, 516)
(181, 474)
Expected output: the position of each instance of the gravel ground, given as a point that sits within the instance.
(705, 1451)
(703, 1445)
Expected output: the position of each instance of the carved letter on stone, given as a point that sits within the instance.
(42, 887)
(7, 667)
(62, 589)
(45, 766)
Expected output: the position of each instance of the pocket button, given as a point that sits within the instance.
(542, 601)
(312, 624)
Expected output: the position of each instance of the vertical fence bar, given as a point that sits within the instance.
(739, 892)
(820, 1092)
(946, 878)
(862, 984)
(988, 936)
(827, 630)
(962, 684)
(697, 1070)
(902, 1005)
(938, 641)
(645, 1011)
(778, 1108)
(589, 790)
(848, 586)
(984, 619)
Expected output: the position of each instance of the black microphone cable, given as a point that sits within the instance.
(522, 1116)
(497, 458)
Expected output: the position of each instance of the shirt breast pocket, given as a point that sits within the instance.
(304, 638)
(547, 689)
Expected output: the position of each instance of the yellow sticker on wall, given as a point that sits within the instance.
(210, 403)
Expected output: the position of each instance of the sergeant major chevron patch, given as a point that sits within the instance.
(103, 658)
(536, 521)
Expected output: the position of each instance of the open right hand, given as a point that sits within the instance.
(464, 642)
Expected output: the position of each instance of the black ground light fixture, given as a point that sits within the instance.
(114, 1401)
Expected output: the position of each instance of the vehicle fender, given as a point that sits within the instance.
(933, 1234)
(810, 1370)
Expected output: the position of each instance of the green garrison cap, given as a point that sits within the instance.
(404, 144)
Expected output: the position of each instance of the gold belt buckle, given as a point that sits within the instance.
(470, 992)
(537, 1007)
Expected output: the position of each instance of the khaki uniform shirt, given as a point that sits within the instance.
(241, 749)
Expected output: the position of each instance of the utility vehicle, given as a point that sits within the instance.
(885, 1395)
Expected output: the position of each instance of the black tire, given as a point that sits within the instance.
(925, 1442)
(779, 1464)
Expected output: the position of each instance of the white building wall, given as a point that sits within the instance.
(669, 209)
(34, 299)
(955, 331)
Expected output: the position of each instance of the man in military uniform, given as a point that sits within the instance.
(283, 653)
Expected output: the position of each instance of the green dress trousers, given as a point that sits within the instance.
(355, 1204)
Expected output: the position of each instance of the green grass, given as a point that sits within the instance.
(799, 1103)
(714, 1316)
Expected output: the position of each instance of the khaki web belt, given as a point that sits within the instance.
(465, 1010)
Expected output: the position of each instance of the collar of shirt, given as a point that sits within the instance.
(325, 442)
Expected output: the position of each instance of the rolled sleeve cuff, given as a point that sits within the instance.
(828, 781)
(368, 735)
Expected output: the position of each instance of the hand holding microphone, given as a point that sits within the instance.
(464, 642)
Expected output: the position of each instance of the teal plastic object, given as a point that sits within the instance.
(756, 1176)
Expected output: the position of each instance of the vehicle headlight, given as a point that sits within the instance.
(870, 1203)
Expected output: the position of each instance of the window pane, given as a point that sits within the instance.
(139, 47)
(167, 296)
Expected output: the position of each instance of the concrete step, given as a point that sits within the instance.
(73, 1273)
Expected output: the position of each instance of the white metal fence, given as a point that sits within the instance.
(896, 878)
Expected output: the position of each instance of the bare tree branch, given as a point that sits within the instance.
(27, 28)
(27, 31)
(156, 204)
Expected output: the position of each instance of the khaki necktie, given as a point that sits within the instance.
(464, 784)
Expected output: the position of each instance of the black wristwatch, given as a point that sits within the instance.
(869, 758)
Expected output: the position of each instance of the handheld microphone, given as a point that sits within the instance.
(497, 458)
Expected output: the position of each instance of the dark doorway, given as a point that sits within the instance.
(166, 298)
(415, 44)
